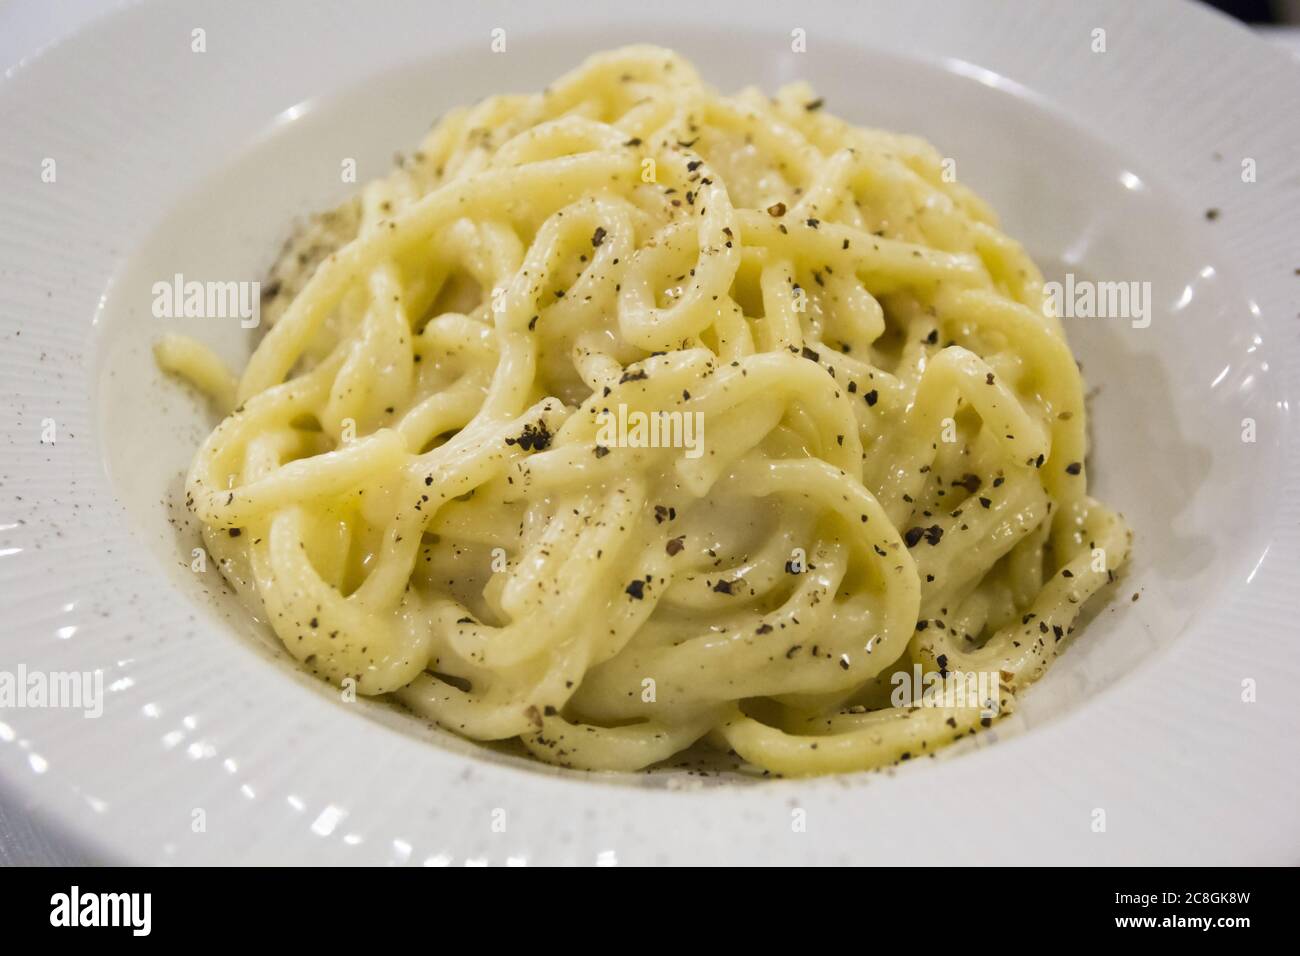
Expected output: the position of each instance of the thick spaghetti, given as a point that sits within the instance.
(422, 489)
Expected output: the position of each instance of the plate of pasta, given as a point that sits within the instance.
(681, 450)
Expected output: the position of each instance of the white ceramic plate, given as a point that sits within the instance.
(1104, 163)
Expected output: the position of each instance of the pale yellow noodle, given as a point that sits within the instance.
(421, 491)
